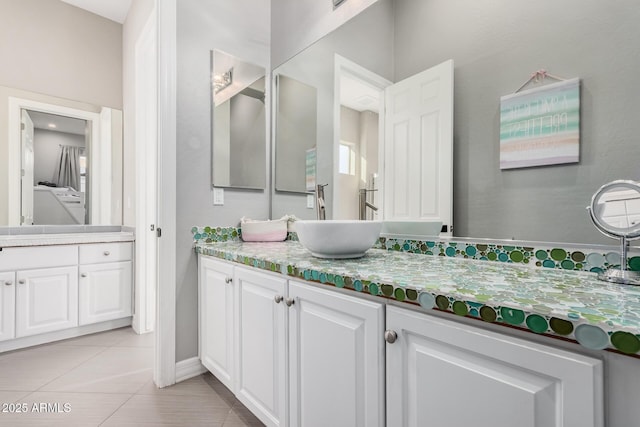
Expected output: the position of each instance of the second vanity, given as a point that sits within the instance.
(306, 342)
(60, 285)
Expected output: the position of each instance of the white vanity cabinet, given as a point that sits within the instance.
(40, 291)
(336, 358)
(442, 373)
(216, 310)
(304, 356)
(7, 305)
(46, 300)
(260, 337)
(106, 279)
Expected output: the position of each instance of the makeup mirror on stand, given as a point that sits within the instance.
(615, 211)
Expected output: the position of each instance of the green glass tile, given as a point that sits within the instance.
(442, 302)
(512, 316)
(541, 254)
(460, 308)
(561, 326)
(537, 323)
(516, 256)
(625, 342)
(488, 314)
(387, 290)
(399, 294)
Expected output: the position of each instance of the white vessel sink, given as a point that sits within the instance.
(412, 228)
(338, 239)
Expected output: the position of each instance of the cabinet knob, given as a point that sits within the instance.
(278, 299)
(289, 302)
(22, 281)
(8, 283)
(390, 336)
(228, 280)
(107, 253)
(83, 275)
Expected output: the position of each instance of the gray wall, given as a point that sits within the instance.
(56, 53)
(240, 28)
(46, 151)
(54, 48)
(296, 24)
(495, 46)
(247, 129)
(370, 46)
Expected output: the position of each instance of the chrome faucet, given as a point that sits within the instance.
(320, 201)
(364, 204)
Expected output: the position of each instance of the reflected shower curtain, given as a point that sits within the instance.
(67, 172)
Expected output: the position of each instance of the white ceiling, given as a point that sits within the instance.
(358, 95)
(116, 10)
(63, 124)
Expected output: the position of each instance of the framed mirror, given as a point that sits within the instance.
(239, 123)
(64, 161)
(295, 132)
(396, 39)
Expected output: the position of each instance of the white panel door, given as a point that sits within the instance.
(441, 373)
(46, 300)
(418, 168)
(104, 292)
(7, 305)
(336, 356)
(216, 318)
(261, 344)
(27, 180)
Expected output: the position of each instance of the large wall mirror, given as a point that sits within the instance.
(239, 123)
(63, 161)
(396, 39)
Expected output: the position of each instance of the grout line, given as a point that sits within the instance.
(74, 367)
(116, 410)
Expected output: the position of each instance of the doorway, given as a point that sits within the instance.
(55, 169)
(358, 140)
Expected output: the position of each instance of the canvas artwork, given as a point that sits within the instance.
(310, 169)
(541, 126)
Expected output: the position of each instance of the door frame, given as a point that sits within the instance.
(99, 153)
(146, 118)
(344, 66)
(164, 372)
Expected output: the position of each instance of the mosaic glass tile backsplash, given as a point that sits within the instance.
(566, 257)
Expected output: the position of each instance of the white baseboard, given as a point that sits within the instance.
(17, 343)
(189, 368)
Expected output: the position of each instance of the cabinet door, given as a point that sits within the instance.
(7, 305)
(46, 300)
(336, 356)
(104, 292)
(261, 344)
(216, 318)
(443, 373)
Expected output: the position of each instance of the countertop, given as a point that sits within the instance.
(571, 304)
(22, 240)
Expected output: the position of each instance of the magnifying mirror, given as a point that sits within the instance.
(615, 211)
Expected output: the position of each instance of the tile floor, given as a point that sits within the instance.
(105, 379)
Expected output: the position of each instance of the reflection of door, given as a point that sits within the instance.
(27, 169)
(418, 176)
(358, 104)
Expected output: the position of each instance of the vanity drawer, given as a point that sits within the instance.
(106, 252)
(33, 257)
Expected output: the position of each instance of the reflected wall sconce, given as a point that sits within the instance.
(222, 81)
(337, 3)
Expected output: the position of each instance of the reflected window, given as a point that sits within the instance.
(347, 159)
